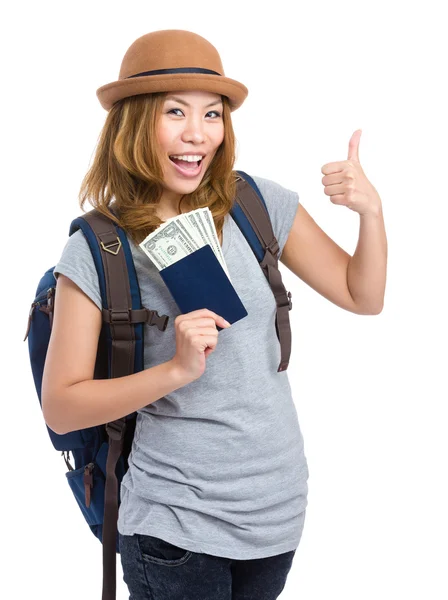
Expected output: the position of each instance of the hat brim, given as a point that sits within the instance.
(112, 92)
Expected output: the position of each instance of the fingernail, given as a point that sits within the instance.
(227, 323)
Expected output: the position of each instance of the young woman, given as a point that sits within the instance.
(214, 501)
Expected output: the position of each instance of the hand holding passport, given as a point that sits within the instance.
(188, 255)
(196, 338)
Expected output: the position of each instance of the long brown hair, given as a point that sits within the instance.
(126, 169)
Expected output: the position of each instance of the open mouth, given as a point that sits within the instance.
(187, 169)
(184, 163)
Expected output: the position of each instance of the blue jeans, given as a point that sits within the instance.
(156, 570)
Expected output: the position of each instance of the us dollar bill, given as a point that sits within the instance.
(167, 244)
(184, 225)
(210, 226)
(181, 235)
(201, 220)
(184, 222)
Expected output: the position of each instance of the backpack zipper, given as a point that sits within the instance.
(30, 316)
(48, 309)
(88, 482)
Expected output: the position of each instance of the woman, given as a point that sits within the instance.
(214, 501)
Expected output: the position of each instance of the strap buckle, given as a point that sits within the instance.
(289, 303)
(110, 244)
(273, 247)
(117, 316)
(115, 429)
(160, 321)
(134, 316)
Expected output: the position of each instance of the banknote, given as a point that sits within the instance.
(184, 225)
(181, 235)
(202, 221)
(214, 242)
(167, 244)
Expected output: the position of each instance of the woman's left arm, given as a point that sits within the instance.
(356, 283)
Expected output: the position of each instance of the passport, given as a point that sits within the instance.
(199, 281)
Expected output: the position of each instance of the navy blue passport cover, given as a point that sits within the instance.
(199, 281)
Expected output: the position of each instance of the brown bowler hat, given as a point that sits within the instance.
(171, 60)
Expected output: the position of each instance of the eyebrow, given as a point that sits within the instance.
(176, 99)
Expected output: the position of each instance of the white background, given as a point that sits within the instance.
(370, 391)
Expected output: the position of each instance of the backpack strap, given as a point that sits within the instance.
(252, 216)
(120, 292)
(124, 316)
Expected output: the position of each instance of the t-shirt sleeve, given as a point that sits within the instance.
(282, 206)
(76, 262)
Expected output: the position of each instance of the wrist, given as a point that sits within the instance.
(177, 374)
(373, 213)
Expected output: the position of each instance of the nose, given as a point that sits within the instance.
(194, 130)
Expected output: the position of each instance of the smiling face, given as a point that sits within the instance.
(191, 123)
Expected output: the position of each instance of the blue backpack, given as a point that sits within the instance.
(100, 453)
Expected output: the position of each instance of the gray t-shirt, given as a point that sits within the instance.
(217, 466)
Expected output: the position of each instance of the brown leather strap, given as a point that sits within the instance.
(118, 292)
(255, 211)
(118, 315)
(115, 431)
(121, 318)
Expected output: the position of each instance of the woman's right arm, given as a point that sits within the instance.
(71, 398)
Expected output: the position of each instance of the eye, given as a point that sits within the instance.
(211, 111)
(172, 110)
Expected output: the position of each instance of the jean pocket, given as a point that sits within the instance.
(159, 551)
